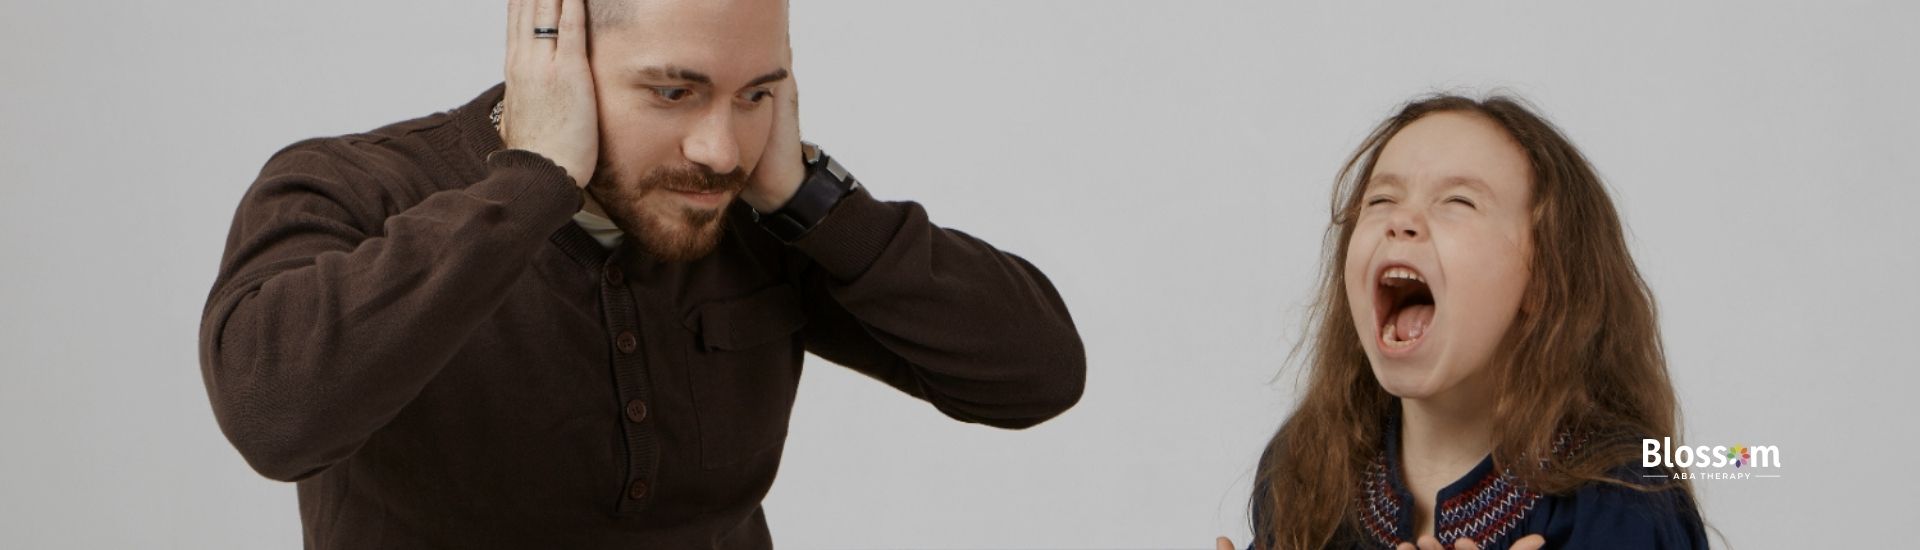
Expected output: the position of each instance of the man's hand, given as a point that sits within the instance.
(781, 167)
(550, 106)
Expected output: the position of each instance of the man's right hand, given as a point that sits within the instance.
(549, 105)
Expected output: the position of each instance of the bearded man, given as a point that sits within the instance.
(572, 312)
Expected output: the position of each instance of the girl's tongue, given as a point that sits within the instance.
(1410, 322)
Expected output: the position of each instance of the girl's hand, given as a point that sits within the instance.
(1530, 542)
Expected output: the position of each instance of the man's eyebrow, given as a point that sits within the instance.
(775, 76)
(670, 72)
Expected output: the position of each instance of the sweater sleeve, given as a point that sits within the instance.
(329, 315)
(979, 333)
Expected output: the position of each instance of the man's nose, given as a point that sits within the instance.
(711, 142)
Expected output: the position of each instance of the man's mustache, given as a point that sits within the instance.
(693, 179)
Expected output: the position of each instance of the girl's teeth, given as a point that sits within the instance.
(1387, 335)
(1391, 337)
(1401, 273)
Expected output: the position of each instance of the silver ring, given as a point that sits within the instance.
(546, 32)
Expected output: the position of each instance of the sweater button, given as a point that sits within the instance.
(614, 275)
(637, 491)
(637, 411)
(626, 341)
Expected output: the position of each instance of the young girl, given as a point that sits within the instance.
(1485, 358)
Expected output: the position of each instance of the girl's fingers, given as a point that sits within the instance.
(573, 28)
(1405, 546)
(1222, 543)
(1430, 543)
(1465, 544)
(1530, 542)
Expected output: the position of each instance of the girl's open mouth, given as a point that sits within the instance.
(1404, 308)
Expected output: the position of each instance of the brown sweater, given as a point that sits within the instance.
(410, 326)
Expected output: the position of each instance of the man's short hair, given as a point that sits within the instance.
(604, 14)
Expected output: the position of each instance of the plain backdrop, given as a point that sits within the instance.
(1167, 164)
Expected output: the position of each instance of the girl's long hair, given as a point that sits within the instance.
(1584, 355)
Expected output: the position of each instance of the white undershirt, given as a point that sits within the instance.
(601, 228)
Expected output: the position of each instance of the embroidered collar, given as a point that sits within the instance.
(1485, 505)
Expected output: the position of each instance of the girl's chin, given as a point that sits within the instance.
(1413, 390)
(1407, 379)
(1432, 383)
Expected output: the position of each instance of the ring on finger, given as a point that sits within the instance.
(546, 32)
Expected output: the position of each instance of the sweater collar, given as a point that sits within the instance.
(1486, 505)
(474, 138)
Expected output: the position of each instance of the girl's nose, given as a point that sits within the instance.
(1405, 225)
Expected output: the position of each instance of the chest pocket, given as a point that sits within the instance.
(743, 371)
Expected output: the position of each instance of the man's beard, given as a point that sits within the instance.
(643, 210)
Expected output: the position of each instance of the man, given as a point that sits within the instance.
(571, 313)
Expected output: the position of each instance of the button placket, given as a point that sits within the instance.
(636, 411)
(629, 365)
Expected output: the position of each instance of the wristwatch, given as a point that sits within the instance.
(825, 184)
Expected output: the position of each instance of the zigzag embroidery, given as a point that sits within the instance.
(1382, 506)
(1487, 513)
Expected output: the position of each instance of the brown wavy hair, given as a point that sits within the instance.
(1583, 355)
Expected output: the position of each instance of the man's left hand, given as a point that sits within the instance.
(781, 168)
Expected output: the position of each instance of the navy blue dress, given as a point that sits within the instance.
(1494, 509)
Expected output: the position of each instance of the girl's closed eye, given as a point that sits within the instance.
(1461, 200)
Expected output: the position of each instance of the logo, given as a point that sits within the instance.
(1713, 462)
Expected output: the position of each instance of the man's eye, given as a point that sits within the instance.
(671, 94)
(757, 96)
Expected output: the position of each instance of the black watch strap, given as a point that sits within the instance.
(825, 184)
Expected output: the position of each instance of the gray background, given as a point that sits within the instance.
(1167, 163)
